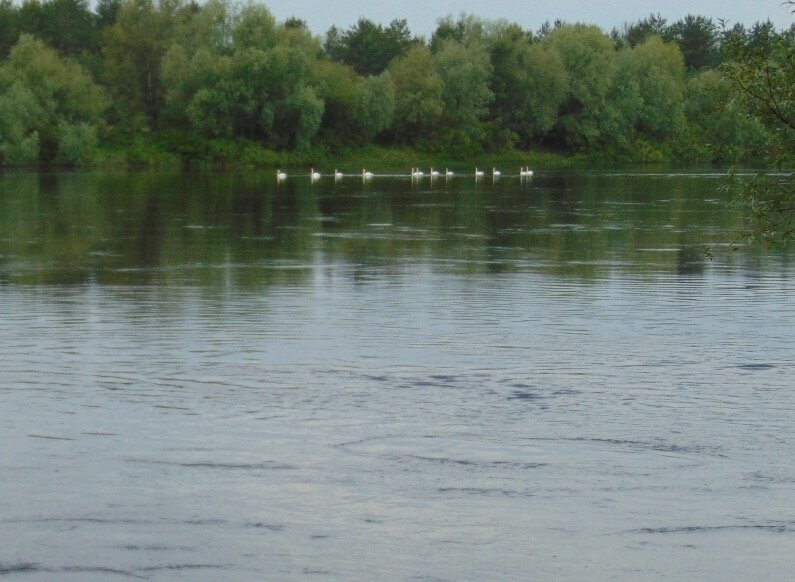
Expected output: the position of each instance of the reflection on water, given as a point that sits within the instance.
(214, 377)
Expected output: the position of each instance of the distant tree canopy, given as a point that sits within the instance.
(219, 70)
(369, 47)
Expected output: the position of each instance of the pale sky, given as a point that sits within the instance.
(422, 15)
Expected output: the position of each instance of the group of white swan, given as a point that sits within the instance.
(524, 172)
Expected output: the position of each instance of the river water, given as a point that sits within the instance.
(215, 377)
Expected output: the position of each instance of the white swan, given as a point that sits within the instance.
(525, 172)
(417, 173)
(448, 172)
(280, 175)
(366, 175)
(478, 173)
(495, 173)
(314, 175)
(337, 174)
(434, 173)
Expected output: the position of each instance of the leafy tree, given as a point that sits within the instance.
(49, 106)
(133, 48)
(337, 86)
(762, 73)
(660, 73)
(718, 127)
(419, 104)
(637, 33)
(465, 73)
(108, 11)
(68, 26)
(698, 39)
(369, 47)
(589, 59)
(375, 105)
(529, 84)
(467, 30)
(9, 26)
(254, 27)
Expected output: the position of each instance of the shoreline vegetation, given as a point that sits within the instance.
(174, 83)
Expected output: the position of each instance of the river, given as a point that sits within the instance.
(214, 376)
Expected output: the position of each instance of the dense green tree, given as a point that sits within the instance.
(465, 72)
(419, 105)
(698, 40)
(108, 11)
(467, 30)
(375, 106)
(639, 32)
(133, 48)
(529, 84)
(586, 114)
(659, 70)
(49, 107)
(9, 27)
(337, 86)
(718, 127)
(68, 26)
(254, 27)
(369, 47)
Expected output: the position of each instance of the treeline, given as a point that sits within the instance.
(196, 78)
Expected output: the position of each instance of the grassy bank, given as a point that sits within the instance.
(228, 154)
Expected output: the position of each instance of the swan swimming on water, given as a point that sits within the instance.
(337, 174)
(434, 173)
(314, 175)
(366, 175)
(280, 175)
(448, 172)
(495, 173)
(478, 173)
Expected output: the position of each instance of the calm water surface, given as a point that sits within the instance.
(209, 377)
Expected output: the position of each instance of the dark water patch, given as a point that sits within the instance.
(6, 569)
(660, 446)
(200, 521)
(268, 526)
(475, 463)
(316, 572)
(29, 567)
(92, 520)
(756, 367)
(155, 548)
(264, 466)
(773, 528)
(96, 570)
(178, 567)
(49, 437)
(528, 396)
(483, 491)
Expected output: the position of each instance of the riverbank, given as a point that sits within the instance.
(233, 154)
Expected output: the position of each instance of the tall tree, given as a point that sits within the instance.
(369, 47)
(699, 41)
